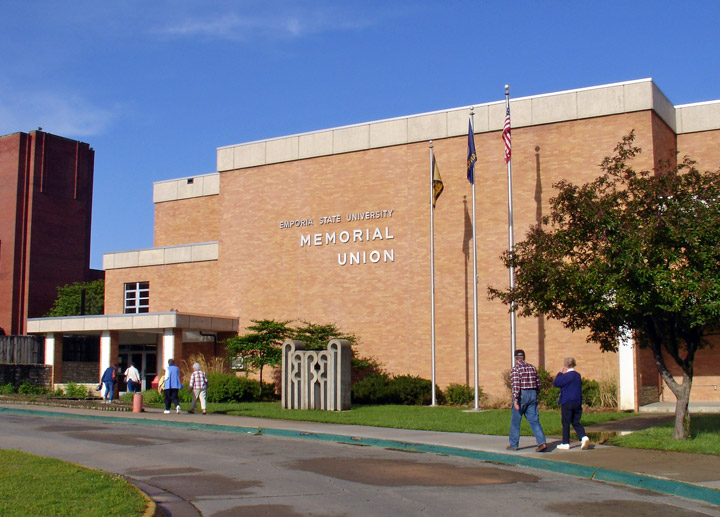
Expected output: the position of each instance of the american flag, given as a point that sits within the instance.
(506, 134)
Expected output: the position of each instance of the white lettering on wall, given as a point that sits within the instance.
(337, 218)
(354, 258)
(351, 236)
(357, 235)
(296, 223)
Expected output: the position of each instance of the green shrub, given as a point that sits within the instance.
(379, 388)
(184, 395)
(591, 393)
(27, 388)
(269, 392)
(549, 394)
(7, 389)
(149, 397)
(75, 391)
(59, 393)
(370, 389)
(461, 394)
(409, 390)
(230, 388)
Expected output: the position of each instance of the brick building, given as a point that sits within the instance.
(46, 187)
(333, 226)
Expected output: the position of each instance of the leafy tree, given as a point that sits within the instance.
(262, 346)
(316, 336)
(631, 251)
(79, 299)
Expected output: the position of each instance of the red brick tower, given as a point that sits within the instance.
(46, 185)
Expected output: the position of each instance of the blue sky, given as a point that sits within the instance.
(156, 86)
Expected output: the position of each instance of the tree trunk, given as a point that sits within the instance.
(681, 392)
(682, 415)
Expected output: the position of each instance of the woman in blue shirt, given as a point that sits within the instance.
(570, 384)
(108, 379)
(172, 386)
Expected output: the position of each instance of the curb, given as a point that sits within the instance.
(654, 484)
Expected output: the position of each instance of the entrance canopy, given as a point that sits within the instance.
(175, 334)
(151, 321)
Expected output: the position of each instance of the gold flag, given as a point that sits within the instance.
(437, 182)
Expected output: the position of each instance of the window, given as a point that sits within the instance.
(137, 297)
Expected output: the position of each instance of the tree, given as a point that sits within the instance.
(631, 251)
(262, 346)
(79, 299)
(316, 336)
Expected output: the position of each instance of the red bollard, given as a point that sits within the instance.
(137, 403)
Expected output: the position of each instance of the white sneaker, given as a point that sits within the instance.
(563, 446)
(177, 409)
(167, 412)
(585, 443)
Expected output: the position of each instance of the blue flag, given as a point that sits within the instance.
(471, 156)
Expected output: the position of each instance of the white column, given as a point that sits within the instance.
(626, 384)
(105, 342)
(168, 348)
(50, 349)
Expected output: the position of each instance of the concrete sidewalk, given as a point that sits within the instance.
(693, 476)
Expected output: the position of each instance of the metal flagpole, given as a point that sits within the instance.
(511, 237)
(432, 273)
(475, 303)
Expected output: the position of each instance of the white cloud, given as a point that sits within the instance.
(62, 114)
(298, 23)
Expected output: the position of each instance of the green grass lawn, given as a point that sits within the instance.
(441, 418)
(33, 485)
(704, 437)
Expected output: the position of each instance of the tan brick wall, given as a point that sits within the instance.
(187, 288)
(702, 147)
(664, 144)
(267, 274)
(186, 221)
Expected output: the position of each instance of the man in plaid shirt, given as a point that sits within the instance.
(198, 385)
(525, 387)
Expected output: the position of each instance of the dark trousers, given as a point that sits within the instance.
(571, 414)
(171, 398)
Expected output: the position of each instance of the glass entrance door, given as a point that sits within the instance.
(144, 357)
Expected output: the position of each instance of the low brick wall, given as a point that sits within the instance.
(16, 374)
(80, 372)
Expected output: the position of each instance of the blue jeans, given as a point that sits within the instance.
(528, 408)
(109, 390)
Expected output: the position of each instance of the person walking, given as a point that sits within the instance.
(198, 385)
(132, 379)
(570, 383)
(172, 386)
(108, 378)
(525, 387)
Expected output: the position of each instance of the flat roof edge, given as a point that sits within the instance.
(129, 322)
(563, 106)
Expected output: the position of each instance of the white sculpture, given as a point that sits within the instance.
(316, 379)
